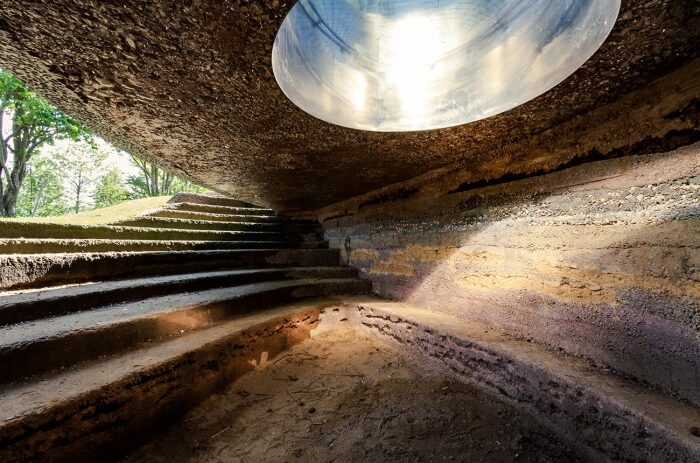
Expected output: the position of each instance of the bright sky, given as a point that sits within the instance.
(114, 158)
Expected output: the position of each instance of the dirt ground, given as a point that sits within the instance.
(343, 396)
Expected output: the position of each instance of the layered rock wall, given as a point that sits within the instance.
(601, 260)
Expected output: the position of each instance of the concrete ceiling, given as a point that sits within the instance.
(189, 83)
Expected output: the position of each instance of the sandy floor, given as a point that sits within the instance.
(342, 396)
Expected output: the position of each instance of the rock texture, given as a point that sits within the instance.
(604, 417)
(600, 260)
(189, 84)
(570, 224)
(100, 348)
(347, 396)
(100, 410)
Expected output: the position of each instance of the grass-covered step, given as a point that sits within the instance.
(226, 210)
(100, 216)
(213, 217)
(37, 270)
(209, 199)
(51, 344)
(50, 245)
(41, 230)
(51, 302)
(188, 224)
(100, 409)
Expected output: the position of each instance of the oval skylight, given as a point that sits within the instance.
(403, 65)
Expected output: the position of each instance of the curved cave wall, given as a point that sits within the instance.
(570, 221)
(598, 259)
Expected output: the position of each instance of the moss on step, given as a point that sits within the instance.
(101, 216)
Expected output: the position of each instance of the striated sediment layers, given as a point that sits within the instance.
(600, 260)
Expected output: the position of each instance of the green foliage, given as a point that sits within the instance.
(181, 185)
(34, 113)
(81, 164)
(154, 181)
(42, 192)
(30, 186)
(110, 190)
(137, 187)
(33, 124)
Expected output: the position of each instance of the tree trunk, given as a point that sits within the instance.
(15, 177)
(38, 197)
(154, 181)
(77, 192)
(9, 203)
(3, 212)
(167, 183)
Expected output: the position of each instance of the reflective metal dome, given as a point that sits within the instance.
(403, 65)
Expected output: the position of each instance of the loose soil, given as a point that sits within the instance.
(343, 396)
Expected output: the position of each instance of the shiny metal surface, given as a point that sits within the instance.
(403, 65)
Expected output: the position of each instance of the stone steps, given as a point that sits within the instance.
(608, 417)
(54, 343)
(102, 408)
(188, 224)
(51, 245)
(210, 199)
(254, 232)
(170, 213)
(38, 270)
(108, 331)
(34, 305)
(221, 210)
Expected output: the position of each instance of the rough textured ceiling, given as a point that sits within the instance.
(189, 83)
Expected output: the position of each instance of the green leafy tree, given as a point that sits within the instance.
(154, 181)
(81, 164)
(110, 189)
(27, 122)
(42, 192)
(181, 185)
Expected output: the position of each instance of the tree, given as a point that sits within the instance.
(27, 122)
(42, 191)
(81, 164)
(110, 190)
(181, 185)
(154, 181)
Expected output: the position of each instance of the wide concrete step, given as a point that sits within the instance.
(38, 270)
(51, 344)
(98, 410)
(168, 212)
(56, 231)
(50, 245)
(35, 305)
(221, 210)
(608, 417)
(188, 224)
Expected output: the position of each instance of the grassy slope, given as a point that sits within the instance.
(104, 215)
